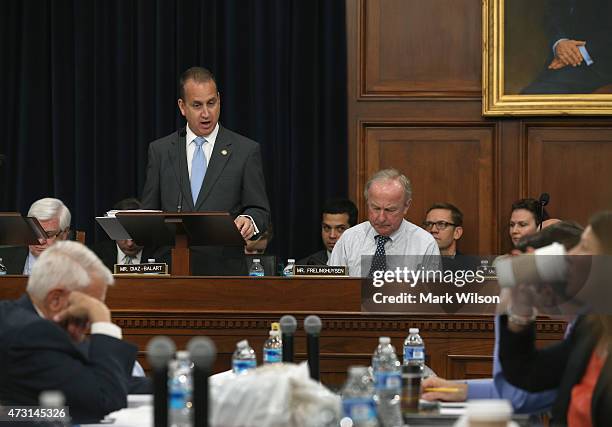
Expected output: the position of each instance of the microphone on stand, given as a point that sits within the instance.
(288, 325)
(312, 326)
(203, 354)
(543, 200)
(159, 352)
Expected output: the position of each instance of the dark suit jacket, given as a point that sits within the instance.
(561, 366)
(234, 183)
(107, 252)
(37, 355)
(14, 258)
(318, 258)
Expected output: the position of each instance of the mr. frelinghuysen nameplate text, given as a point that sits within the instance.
(319, 270)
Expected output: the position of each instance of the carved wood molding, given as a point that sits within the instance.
(358, 324)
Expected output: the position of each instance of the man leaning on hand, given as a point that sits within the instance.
(41, 335)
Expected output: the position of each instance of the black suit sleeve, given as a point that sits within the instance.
(42, 357)
(254, 198)
(599, 44)
(151, 198)
(527, 367)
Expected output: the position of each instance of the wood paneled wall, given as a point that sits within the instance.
(414, 103)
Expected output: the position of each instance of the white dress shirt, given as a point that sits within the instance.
(408, 239)
(122, 257)
(29, 264)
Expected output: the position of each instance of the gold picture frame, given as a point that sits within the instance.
(497, 62)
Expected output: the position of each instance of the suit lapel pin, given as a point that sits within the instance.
(224, 152)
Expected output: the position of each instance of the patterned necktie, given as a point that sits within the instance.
(198, 168)
(379, 260)
(128, 260)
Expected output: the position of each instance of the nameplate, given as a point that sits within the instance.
(319, 270)
(153, 268)
(488, 270)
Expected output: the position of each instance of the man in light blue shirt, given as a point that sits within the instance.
(523, 402)
(387, 238)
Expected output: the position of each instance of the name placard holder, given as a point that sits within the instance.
(152, 268)
(320, 270)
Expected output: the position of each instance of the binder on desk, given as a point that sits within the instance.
(17, 230)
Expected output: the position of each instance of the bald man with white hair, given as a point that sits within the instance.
(41, 332)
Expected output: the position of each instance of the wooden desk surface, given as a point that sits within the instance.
(228, 309)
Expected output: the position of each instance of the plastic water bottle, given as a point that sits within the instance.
(180, 391)
(243, 358)
(358, 398)
(288, 270)
(414, 349)
(256, 269)
(388, 382)
(273, 348)
(3, 269)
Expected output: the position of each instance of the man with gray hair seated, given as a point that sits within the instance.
(388, 194)
(54, 217)
(40, 335)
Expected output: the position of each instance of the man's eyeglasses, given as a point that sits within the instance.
(52, 234)
(440, 225)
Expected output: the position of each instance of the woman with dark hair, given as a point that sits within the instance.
(580, 366)
(525, 219)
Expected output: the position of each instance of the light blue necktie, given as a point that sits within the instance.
(198, 168)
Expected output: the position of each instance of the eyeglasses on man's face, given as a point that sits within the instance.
(52, 234)
(440, 225)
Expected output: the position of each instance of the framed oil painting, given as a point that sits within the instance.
(547, 57)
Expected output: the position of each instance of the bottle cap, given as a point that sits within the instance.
(384, 340)
(151, 260)
(182, 354)
(275, 326)
(413, 330)
(357, 370)
(291, 261)
(255, 259)
(52, 399)
(242, 344)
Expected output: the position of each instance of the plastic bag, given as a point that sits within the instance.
(272, 396)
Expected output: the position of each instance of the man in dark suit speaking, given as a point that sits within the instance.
(206, 167)
(41, 335)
